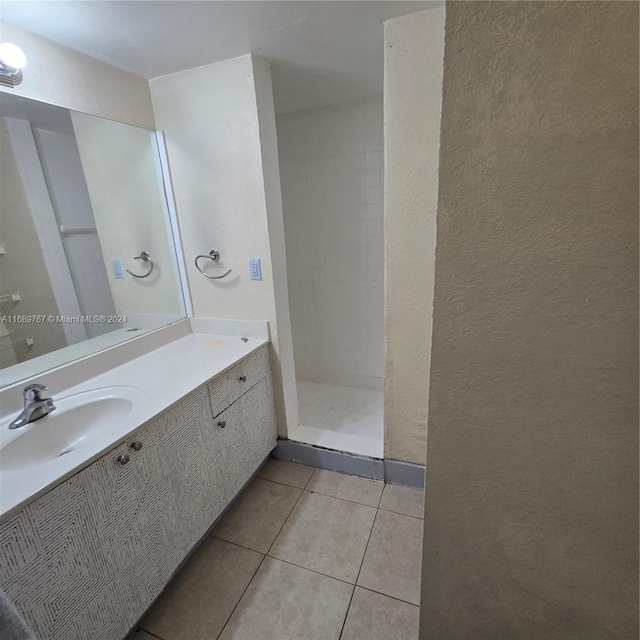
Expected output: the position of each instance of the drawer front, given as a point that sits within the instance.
(219, 394)
(248, 373)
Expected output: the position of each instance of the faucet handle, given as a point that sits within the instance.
(31, 392)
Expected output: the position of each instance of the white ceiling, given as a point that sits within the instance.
(322, 52)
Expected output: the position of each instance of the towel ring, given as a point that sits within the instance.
(214, 255)
(145, 257)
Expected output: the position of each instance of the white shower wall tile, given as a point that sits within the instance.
(331, 168)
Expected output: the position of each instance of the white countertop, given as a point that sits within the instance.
(164, 375)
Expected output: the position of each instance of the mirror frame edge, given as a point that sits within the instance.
(176, 236)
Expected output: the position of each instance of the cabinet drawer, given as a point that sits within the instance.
(248, 373)
(219, 395)
(226, 390)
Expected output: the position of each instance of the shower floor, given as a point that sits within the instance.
(343, 418)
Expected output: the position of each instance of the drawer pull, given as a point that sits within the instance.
(137, 445)
(242, 378)
(123, 459)
(222, 424)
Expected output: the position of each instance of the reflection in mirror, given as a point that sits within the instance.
(87, 258)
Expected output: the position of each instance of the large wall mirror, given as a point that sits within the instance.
(87, 256)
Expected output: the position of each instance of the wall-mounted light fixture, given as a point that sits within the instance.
(12, 59)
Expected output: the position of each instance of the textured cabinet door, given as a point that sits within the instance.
(259, 422)
(194, 462)
(89, 547)
(48, 567)
(227, 436)
(245, 433)
(132, 509)
(85, 560)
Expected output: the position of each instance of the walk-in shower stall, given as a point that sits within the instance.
(331, 172)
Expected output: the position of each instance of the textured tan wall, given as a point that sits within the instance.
(414, 47)
(213, 117)
(531, 524)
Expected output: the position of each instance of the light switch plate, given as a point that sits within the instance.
(118, 272)
(255, 271)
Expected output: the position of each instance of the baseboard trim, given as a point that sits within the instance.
(406, 474)
(330, 459)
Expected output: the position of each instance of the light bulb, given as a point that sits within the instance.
(11, 55)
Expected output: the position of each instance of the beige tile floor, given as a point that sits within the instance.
(304, 554)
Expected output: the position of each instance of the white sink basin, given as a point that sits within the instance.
(77, 420)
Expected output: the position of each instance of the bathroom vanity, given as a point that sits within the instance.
(91, 537)
(160, 418)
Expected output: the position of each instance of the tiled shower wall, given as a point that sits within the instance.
(331, 168)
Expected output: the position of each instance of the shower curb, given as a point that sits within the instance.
(391, 471)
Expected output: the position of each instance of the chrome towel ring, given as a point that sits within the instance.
(145, 257)
(214, 255)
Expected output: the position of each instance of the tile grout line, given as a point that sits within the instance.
(310, 478)
(286, 520)
(384, 486)
(386, 595)
(373, 524)
(354, 584)
(284, 484)
(255, 573)
(293, 564)
(344, 499)
(260, 565)
(324, 575)
(328, 495)
(398, 513)
(265, 555)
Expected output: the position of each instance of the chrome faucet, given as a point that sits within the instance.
(35, 406)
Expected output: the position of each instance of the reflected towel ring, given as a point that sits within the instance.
(145, 257)
(214, 255)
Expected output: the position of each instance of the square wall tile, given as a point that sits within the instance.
(331, 198)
